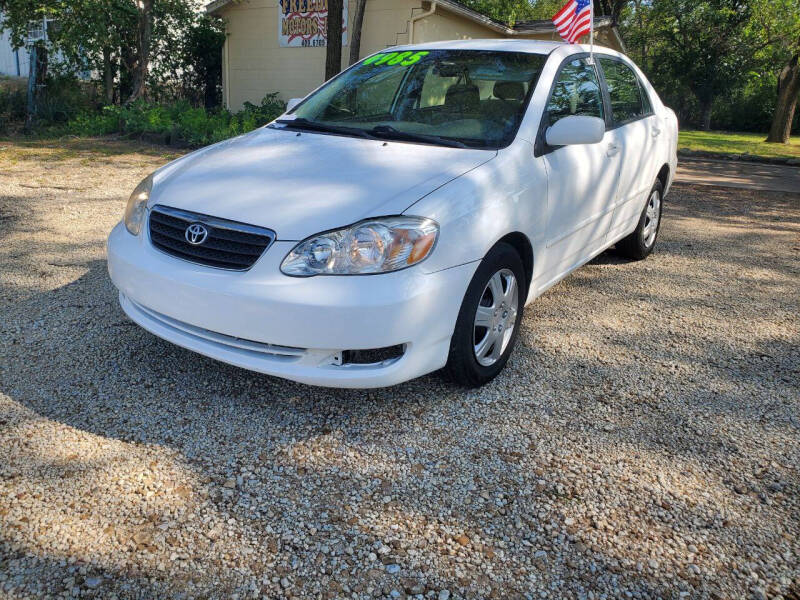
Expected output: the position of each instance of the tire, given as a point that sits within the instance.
(500, 269)
(639, 244)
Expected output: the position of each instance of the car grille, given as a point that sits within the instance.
(228, 245)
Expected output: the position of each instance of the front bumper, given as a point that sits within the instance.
(290, 327)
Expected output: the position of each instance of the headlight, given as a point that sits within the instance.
(137, 205)
(373, 246)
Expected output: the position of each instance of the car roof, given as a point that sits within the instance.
(505, 45)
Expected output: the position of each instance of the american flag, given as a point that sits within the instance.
(574, 20)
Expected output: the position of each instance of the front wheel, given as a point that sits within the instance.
(641, 242)
(488, 322)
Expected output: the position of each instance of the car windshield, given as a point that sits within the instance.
(464, 98)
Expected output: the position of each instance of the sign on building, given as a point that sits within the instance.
(304, 23)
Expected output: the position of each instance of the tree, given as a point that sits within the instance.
(175, 37)
(512, 11)
(333, 49)
(144, 33)
(612, 8)
(776, 30)
(202, 59)
(36, 80)
(120, 40)
(19, 16)
(640, 32)
(355, 34)
(788, 90)
(706, 50)
(696, 48)
(91, 35)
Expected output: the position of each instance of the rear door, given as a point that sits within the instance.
(581, 179)
(633, 133)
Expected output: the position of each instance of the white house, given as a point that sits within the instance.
(13, 62)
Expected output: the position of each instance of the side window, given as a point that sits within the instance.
(576, 92)
(627, 102)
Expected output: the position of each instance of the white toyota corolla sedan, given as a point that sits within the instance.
(397, 220)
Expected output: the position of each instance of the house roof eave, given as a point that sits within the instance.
(215, 5)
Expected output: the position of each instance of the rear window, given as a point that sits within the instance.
(624, 90)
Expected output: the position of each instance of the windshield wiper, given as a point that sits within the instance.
(379, 131)
(305, 124)
(389, 132)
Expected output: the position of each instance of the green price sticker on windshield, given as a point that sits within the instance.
(403, 59)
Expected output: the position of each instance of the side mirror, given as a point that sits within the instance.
(576, 129)
(292, 103)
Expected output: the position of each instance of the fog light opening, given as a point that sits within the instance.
(373, 356)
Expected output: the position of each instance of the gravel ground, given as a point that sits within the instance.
(643, 442)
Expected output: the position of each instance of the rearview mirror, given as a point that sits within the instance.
(292, 103)
(576, 129)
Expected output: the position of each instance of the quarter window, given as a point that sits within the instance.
(624, 91)
(576, 92)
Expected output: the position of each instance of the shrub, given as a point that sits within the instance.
(13, 103)
(65, 99)
(178, 123)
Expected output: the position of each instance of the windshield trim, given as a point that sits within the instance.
(490, 147)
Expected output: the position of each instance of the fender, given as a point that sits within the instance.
(502, 196)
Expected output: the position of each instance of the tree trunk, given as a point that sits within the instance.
(355, 34)
(37, 77)
(108, 76)
(31, 109)
(210, 95)
(144, 32)
(788, 89)
(705, 113)
(333, 50)
(127, 65)
(616, 11)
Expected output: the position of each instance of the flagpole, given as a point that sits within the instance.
(591, 33)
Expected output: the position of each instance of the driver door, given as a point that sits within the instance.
(581, 179)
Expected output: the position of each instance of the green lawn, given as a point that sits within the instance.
(737, 143)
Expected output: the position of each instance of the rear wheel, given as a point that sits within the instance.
(640, 243)
(488, 322)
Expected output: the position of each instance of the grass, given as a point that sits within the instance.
(88, 150)
(725, 142)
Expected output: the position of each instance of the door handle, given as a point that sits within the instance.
(612, 149)
(656, 132)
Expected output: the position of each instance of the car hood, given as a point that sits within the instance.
(299, 185)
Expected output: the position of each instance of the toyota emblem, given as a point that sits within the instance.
(196, 234)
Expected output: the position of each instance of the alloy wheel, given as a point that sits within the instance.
(652, 216)
(495, 317)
